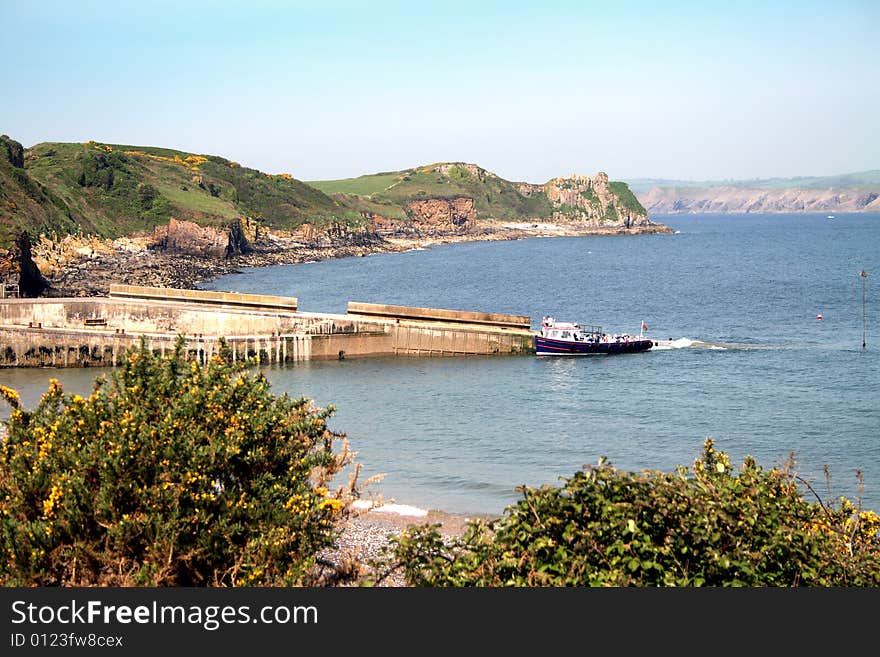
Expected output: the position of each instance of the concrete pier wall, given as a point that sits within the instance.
(223, 299)
(458, 341)
(98, 331)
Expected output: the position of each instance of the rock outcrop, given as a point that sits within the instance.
(187, 237)
(440, 214)
(594, 201)
(336, 234)
(447, 168)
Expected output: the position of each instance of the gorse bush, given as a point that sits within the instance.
(170, 473)
(606, 527)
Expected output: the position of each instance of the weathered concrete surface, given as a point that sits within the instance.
(148, 316)
(438, 314)
(451, 340)
(204, 296)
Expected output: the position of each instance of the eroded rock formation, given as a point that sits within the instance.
(439, 214)
(336, 234)
(187, 237)
(594, 201)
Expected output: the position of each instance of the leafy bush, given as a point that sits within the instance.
(606, 527)
(170, 473)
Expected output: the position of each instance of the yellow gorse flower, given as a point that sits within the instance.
(49, 503)
(11, 396)
(334, 505)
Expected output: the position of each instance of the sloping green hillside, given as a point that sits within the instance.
(116, 189)
(494, 197)
(25, 205)
(374, 183)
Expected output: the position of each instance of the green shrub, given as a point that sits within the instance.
(606, 527)
(170, 473)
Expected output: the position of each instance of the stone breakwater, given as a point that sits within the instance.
(89, 269)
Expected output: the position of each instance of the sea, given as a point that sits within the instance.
(771, 348)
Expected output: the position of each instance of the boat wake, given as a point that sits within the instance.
(685, 343)
(681, 343)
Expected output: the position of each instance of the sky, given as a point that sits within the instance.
(529, 90)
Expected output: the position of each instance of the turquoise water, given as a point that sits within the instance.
(756, 370)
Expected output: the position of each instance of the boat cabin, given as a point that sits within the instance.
(554, 330)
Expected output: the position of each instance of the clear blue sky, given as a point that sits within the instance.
(529, 90)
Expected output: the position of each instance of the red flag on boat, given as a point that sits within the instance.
(644, 326)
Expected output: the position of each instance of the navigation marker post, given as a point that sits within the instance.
(864, 276)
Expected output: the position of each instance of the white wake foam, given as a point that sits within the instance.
(680, 343)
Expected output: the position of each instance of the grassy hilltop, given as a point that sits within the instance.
(494, 197)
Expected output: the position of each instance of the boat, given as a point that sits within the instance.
(575, 339)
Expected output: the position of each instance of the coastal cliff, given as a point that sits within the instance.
(736, 199)
(596, 202)
(852, 192)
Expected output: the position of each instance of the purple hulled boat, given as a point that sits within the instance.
(572, 339)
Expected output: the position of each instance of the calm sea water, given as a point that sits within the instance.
(740, 294)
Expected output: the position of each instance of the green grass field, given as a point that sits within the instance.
(362, 185)
(197, 200)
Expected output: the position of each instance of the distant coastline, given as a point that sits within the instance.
(852, 192)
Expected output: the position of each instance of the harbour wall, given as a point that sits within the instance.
(97, 331)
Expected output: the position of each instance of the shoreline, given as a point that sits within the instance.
(89, 269)
(364, 535)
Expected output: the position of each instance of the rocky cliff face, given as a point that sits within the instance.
(594, 201)
(742, 199)
(187, 237)
(448, 215)
(336, 234)
(427, 217)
